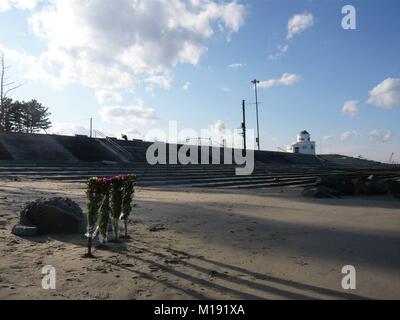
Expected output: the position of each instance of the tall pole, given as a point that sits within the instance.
(91, 127)
(255, 82)
(244, 125)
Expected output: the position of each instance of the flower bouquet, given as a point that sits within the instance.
(107, 197)
(116, 184)
(94, 195)
(129, 182)
(104, 209)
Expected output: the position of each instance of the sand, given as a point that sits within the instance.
(217, 244)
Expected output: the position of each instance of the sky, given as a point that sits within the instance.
(135, 65)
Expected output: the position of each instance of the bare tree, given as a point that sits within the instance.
(6, 87)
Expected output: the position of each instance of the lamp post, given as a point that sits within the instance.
(255, 82)
(244, 125)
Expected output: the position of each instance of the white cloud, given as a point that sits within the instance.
(163, 81)
(386, 94)
(68, 129)
(186, 86)
(86, 73)
(379, 136)
(345, 136)
(299, 23)
(282, 50)
(296, 25)
(287, 79)
(126, 115)
(105, 97)
(18, 4)
(237, 66)
(328, 137)
(351, 108)
(114, 44)
(218, 127)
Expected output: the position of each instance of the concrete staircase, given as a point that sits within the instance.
(206, 176)
(54, 157)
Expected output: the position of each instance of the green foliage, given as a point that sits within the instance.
(28, 117)
(104, 187)
(128, 192)
(94, 195)
(116, 197)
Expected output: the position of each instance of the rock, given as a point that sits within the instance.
(319, 192)
(3, 223)
(339, 183)
(375, 187)
(157, 227)
(54, 215)
(24, 231)
(393, 187)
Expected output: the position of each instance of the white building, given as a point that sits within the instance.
(304, 145)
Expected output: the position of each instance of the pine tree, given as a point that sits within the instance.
(15, 117)
(7, 112)
(34, 117)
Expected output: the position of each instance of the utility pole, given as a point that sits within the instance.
(91, 127)
(255, 82)
(244, 125)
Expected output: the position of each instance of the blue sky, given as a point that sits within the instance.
(137, 65)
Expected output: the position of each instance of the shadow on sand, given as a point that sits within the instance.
(191, 265)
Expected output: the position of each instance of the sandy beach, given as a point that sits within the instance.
(210, 244)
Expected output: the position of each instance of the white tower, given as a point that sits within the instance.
(304, 145)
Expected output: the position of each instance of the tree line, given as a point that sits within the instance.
(28, 117)
(19, 116)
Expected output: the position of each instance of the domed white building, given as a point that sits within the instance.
(304, 145)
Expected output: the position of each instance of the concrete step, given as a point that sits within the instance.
(150, 176)
(146, 174)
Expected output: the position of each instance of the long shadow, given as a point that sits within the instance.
(253, 285)
(205, 283)
(301, 286)
(297, 237)
(167, 283)
(260, 276)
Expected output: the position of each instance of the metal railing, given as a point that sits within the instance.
(112, 144)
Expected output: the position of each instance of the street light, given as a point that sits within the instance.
(255, 82)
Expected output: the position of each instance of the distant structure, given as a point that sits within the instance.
(304, 145)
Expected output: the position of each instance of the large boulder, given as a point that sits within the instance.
(54, 215)
(393, 187)
(375, 187)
